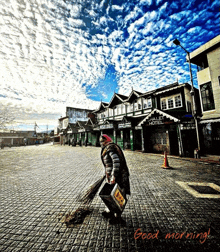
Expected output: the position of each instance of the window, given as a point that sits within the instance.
(171, 102)
(139, 106)
(149, 103)
(163, 104)
(110, 112)
(135, 105)
(128, 108)
(115, 110)
(203, 63)
(122, 108)
(159, 138)
(119, 109)
(178, 101)
(207, 96)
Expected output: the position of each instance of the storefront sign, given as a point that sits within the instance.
(124, 125)
(81, 130)
(187, 126)
(106, 126)
(156, 120)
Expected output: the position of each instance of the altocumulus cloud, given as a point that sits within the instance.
(62, 53)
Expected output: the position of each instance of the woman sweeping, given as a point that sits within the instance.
(116, 171)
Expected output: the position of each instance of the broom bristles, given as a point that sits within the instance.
(90, 193)
(78, 216)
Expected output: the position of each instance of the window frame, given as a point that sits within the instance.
(207, 96)
(115, 111)
(172, 104)
(163, 105)
(147, 103)
(110, 112)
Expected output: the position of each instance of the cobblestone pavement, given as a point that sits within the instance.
(40, 184)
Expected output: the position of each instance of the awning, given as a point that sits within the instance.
(210, 120)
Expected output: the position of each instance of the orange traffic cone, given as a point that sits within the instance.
(165, 162)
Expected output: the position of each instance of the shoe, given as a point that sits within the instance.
(117, 220)
(107, 214)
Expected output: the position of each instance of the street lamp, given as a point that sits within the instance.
(192, 92)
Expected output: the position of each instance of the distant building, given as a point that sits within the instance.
(77, 114)
(17, 138)
(207, 59)
(62, 123)
(65, 124)
(62, 126)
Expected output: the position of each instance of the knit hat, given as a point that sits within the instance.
(105, 138)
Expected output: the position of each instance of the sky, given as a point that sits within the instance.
(75, 53)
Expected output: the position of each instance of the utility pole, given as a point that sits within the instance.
(192, 92)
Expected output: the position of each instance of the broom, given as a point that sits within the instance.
(90, 193)
(79, 215)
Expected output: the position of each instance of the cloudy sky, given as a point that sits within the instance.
(58, 53)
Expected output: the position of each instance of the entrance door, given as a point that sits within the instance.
(189, 141)
(137, 140)
(127, 144)
(174, 147)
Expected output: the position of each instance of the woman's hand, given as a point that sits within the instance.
(112, 181)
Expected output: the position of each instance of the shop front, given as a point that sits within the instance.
(161, 132)
(109, 128)
(124, 134)
(71, 133)
(92, 138)
(82, 137)
(211, 136)
(189, 139)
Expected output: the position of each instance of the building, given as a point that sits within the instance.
(154, 121)
(17, 138)
(77, 114)
(207, 59)
(67, 125)
(62, 129)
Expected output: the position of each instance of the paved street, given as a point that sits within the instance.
(40, 184)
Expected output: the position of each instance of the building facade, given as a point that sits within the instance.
(207, 59)
(155, 121)
(159, 120)
(70, 125)
(77, 114)
(18, 138)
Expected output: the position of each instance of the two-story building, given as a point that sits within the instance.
(207, 59)
(170, 125)
(154, 121)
